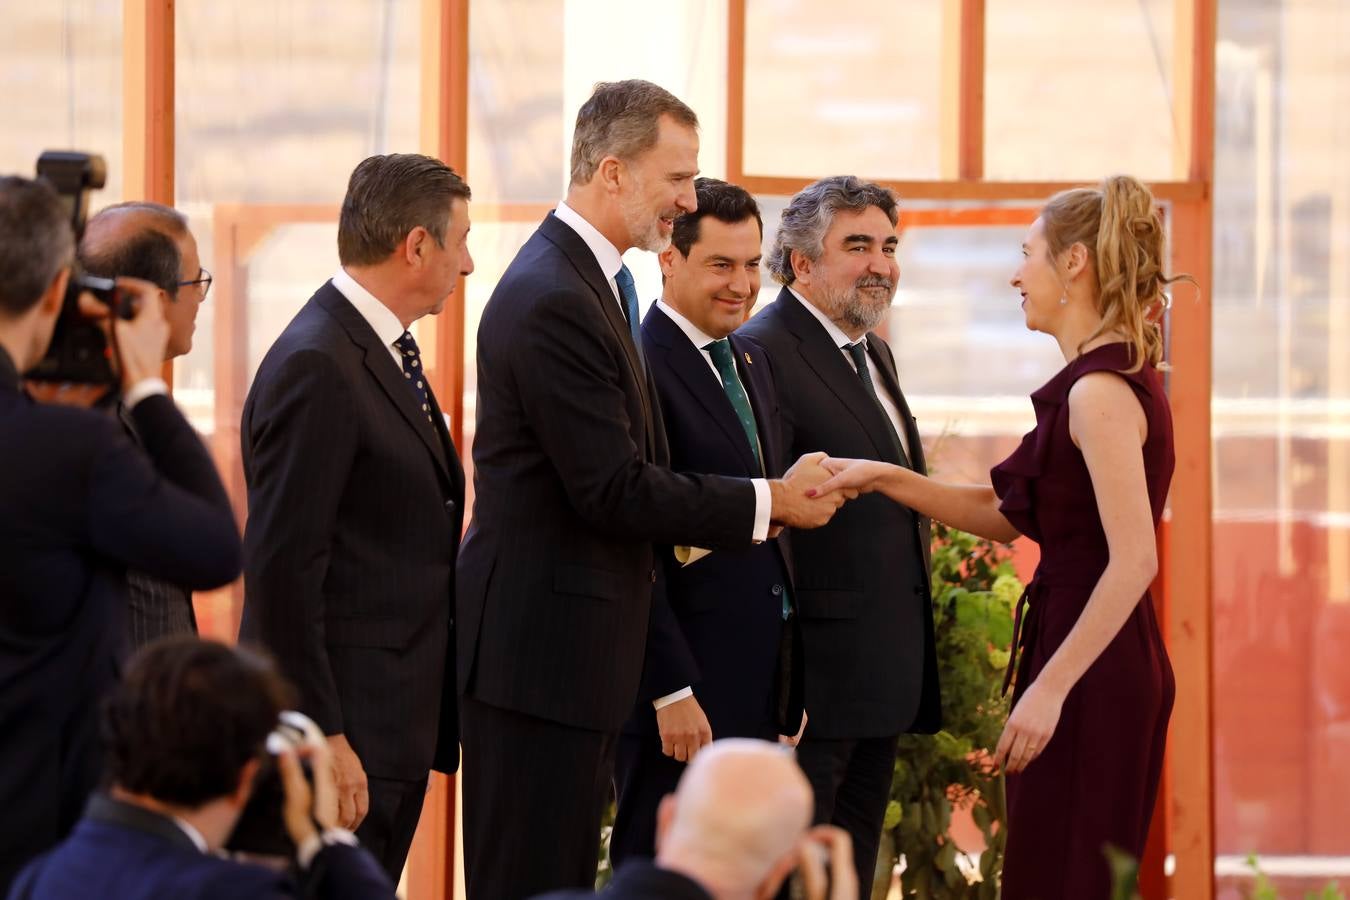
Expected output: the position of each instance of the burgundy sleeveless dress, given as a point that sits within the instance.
(1096, 780)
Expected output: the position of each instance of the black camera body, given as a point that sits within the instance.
(79, 351)
(261, 830)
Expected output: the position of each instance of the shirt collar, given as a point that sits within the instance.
(381, 318)
(9, 373)
(606, 254)
(836, 333)
(695, 334)
(193, 834)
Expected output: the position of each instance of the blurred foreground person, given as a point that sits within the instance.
(1083, 746)
(734, 830)
(185, 733)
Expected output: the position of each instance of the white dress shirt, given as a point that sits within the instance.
(381, 318)
(842, 341)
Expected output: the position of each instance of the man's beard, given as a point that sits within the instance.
(858, 311)
(644, 229)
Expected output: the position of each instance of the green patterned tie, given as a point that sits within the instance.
(731, 383)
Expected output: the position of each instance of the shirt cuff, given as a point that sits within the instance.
(663, 702)
(763, 509)
(316, 842)
(146, 387)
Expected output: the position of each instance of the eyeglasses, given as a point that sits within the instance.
(203, 279)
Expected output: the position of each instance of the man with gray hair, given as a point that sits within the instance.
(356, 500)
(150, 241)
(557, 576)
(861, 581)
(734, 829)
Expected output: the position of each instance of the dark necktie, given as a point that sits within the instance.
(859, 353)
(731, 383)
(628, 291)
(412, 371)
(720, 351)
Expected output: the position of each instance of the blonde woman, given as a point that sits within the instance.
(1093, 688)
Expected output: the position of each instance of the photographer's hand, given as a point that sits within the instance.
(353, 794)
(841, 882)
(140, 340)
(300, 809)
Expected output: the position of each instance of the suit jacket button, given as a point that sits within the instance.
(776, 589)
(653, 576)
(450, 506)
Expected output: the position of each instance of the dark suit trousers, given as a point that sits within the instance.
(520, 768)
(852, 783)
(642, 776)
(387, 830)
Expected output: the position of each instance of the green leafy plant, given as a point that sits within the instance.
(974, 592)
(1262, 889)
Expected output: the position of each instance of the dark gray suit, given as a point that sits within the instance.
(861, 581)
(355, 511)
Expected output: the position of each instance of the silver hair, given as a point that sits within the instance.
(811, 213)
(622, 119)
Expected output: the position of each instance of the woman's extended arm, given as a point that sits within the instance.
(969, 507)
(1108, 424)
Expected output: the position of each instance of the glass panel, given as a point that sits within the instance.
(525, 89)
(1095, 104)
(261, 173)
(1282, 441)
(61, 86)
(860, 93)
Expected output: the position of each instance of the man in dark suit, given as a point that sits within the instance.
(731, 608)
(355, 496)
(862, 581)
(186, 731)
(735, 829)
(572, 487)
(79, 504)
(152, 242)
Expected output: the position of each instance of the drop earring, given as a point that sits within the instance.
(1064, 300)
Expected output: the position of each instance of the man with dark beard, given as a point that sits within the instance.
(861, 585)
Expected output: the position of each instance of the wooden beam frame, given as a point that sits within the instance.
(962, 113)
(147, 100)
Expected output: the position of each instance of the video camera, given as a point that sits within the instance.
(80, 352)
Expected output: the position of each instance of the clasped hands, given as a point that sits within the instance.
(816, 486)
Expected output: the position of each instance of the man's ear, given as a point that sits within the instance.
(415, 246)
(665, 816)
(244, 789)
(768, 888)
(609, 173)
(55, 295)
(801, 266)
(667, 260)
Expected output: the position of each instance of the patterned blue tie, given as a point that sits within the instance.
(628, 291)
(412, 371)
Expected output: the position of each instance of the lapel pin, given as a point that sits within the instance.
(748, 361)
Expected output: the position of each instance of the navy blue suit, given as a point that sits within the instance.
(79, 503)
(130, 853)
(718, 626)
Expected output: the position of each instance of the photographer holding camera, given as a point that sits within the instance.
(186, 733)
(79, 503)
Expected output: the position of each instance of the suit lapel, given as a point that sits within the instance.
(885, 364)
(827, 360)
(690, 366)
(583, 260)
(380, 363)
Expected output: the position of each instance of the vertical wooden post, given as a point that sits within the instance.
(962, 93)
(147, 105)
(445, 135)
(735, 90)
(1189, 578)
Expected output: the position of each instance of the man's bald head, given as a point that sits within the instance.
(150, 241)
(741, 808)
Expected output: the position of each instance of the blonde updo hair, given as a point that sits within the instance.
(1121, 228)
